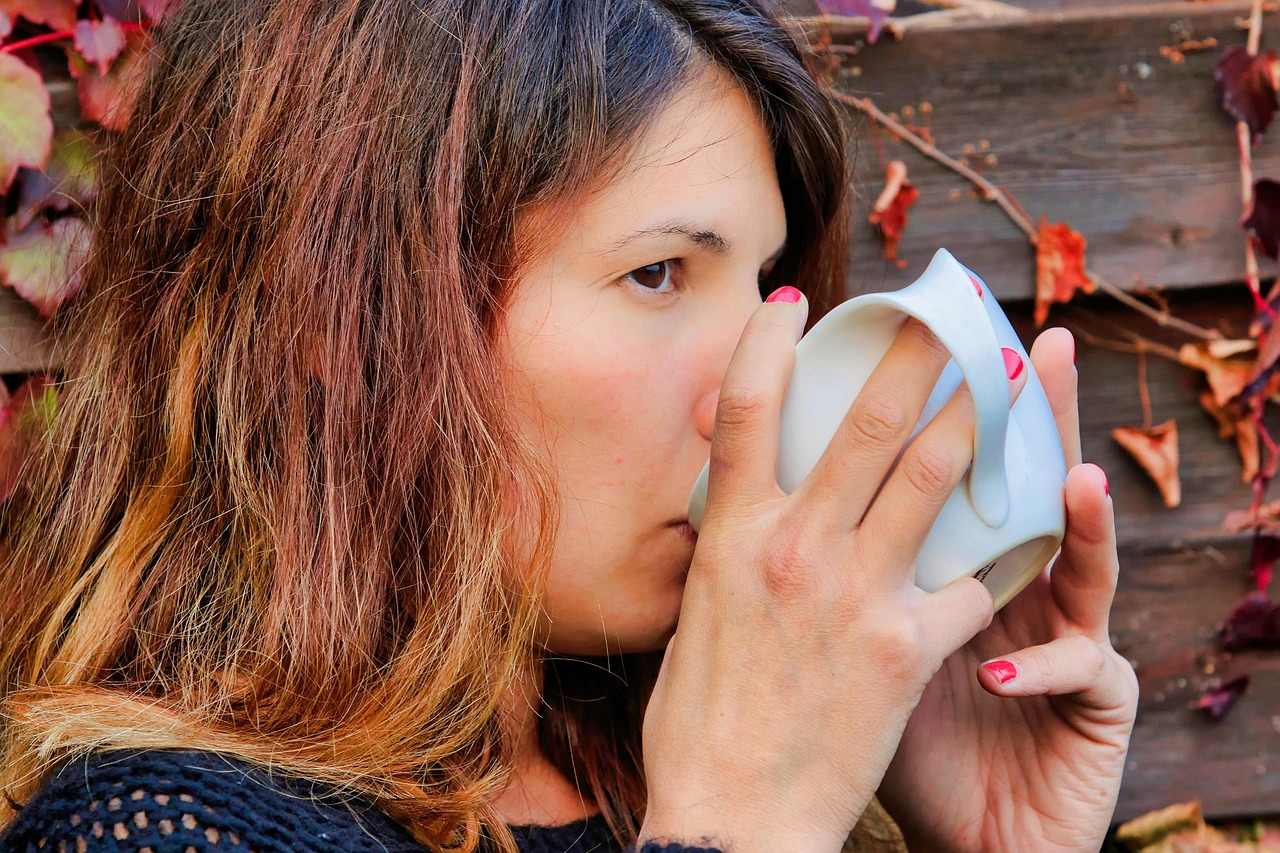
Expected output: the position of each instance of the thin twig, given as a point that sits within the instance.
(1157, 315)
(1144, 393)
(1255, 27)
(1142, 344)
(989, 190)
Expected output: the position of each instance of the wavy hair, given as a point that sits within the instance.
(274, 514)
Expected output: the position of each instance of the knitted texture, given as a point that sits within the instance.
(192, 801)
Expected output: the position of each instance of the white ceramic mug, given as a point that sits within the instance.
(1005, 521)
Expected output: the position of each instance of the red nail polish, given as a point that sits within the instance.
(1106, 484)
(1003, 670)
(1073, 350)
(1012, 362)
(977, 285)
(785, 294)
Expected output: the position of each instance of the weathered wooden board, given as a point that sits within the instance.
(1090, 125)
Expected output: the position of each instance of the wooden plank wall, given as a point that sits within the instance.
(1090, 125)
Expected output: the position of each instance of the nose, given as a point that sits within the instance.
(723, 335)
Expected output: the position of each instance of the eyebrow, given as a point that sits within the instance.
(704, 238)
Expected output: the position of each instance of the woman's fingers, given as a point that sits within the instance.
(1078, 666)
(930, 469)
(1083, 579)
(1053, 356)
(879, 422)
(744, 445)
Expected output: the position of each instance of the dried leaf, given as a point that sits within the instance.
(55, 14)
(1261, 219)
(1218, 698)
(1231, 424)
(890, 209)
(1266, 518)
(99, 42)
(1060, 271)
(1153, 827)
(876, 11)
(1246, 87)
(70, 179)
(26, 130)
(43, 262)
(108, 99)
(1227, 378)
(1156, 450)
(1254, 623)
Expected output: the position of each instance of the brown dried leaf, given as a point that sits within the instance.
(890, 209)
(1152, 827)
(875, 11)
(1060, 269)
(1227, 377)
(1267, 520)
(1243, 430)
(1156, 450)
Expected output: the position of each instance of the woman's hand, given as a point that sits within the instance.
(803, 646)
(1026, 753)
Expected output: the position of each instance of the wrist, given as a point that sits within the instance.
(733, 829)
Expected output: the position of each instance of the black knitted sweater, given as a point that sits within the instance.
(193, 801)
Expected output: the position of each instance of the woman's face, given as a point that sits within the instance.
(617, 341)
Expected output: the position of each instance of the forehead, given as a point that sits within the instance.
(704, 156)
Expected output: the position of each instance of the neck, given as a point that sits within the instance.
(538, 793)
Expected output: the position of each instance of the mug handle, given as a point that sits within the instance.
(976, 351)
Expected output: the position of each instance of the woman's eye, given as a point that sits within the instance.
(652, 276)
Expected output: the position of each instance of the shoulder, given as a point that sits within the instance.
(192, 800)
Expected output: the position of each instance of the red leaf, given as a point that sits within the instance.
(23, 419)
(69, 180)
(876, 11)
(108, 99)
(1156, 450)
(99, 42)
(1060, 271)
(890, 210)
(1219, 698)
(1253, 623)
(1261, 219)
(55, 14)
(43, 263)
(1262, 560)
(129, 11)
(158, 9)
(26, 131)
(1246, 86)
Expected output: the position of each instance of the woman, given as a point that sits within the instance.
(408, 327)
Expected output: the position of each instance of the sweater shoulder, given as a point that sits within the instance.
(192, 800)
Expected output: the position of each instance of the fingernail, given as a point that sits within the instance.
(1003, 670)
(1106, 484)
(1012, 362)
(785, 294)
(977, 285)
(1073, 350)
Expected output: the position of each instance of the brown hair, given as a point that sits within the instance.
(274, 512)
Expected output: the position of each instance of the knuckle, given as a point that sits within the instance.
(877, 419)
(740, 408)
(898, 645)
(788, 572)
(1092, 660)
(930, 472)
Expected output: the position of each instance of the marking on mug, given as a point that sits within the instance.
(981, 574)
